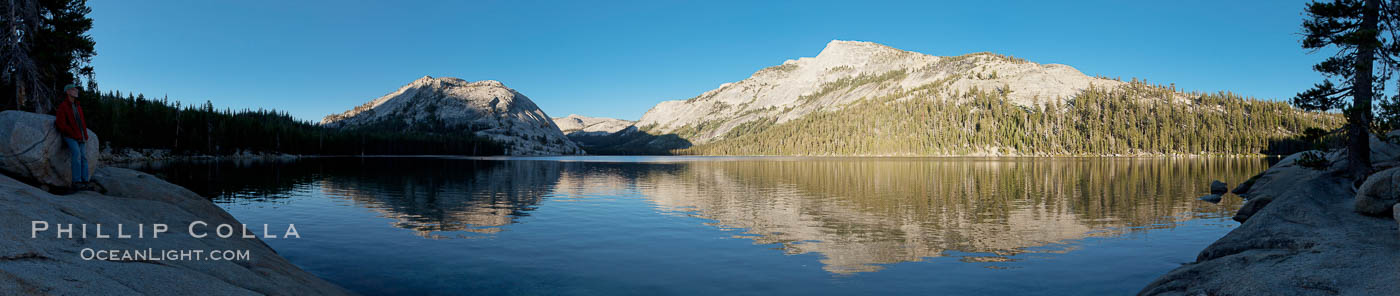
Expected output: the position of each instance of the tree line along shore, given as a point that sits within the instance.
(1098, 122)
(136, 122)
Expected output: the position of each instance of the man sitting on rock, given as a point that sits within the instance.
(74, 130)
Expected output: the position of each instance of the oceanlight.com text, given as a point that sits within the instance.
(164, 255)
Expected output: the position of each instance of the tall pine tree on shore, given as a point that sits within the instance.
(44, 45)
(1364, 32)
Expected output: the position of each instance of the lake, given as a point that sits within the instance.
(600, 225)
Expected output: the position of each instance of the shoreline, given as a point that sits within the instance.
(127, 155)
(107, 157)
(43, 263)
(1300, 232)
(34, 165)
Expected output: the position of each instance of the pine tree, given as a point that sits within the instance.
(1364, 32)
(43, 46)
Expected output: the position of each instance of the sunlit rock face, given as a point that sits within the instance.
(849, 71)
(579, 125)
(485, 108)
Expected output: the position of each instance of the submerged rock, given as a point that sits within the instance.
(1379, 193)
(42, 263)
(1218, 188)
(32, 150)
(1211, 198)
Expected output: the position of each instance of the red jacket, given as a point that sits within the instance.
(68, 122)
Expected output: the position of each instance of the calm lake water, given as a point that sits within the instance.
(726, 226)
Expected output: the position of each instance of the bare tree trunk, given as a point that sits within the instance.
(18, 66)
(176, 146)
(1358, 135)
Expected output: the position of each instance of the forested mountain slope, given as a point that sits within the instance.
(861, 98)
(1137, 119)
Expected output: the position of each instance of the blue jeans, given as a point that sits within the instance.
(79, 160)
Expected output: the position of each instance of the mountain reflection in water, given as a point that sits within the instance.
(858, 214)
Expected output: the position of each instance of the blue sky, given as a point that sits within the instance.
(618, 59)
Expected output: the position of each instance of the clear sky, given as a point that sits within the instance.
(618, 59)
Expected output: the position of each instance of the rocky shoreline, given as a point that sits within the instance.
(47, 262)
(125, 155)
(1304, 231)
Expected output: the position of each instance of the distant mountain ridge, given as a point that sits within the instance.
(863, 98)
(599, 135)
(486, 108)
(848, 71)
(575, 124)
